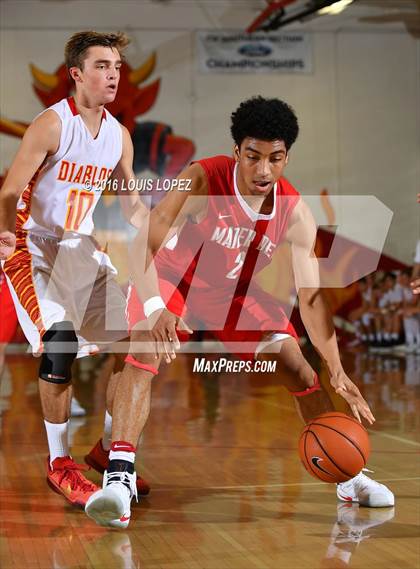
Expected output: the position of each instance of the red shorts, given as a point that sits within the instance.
(261, 316)
(8, 318)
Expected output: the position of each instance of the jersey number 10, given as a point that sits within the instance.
(78, 205)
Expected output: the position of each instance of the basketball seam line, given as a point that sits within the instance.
(304, 451)
(333, 461)
(306, 457)
(343, 435)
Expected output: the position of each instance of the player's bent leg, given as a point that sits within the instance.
(111, 505)
(131, 405)
(60, 350)
(98, 456)
(63, 474)
(312, 400)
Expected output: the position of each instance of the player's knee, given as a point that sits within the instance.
(60, 350)
(144, 362)
(303, 378)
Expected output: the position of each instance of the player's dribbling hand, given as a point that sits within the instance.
(164, 329)
(415, 285)
(343, 385)
(7, 244)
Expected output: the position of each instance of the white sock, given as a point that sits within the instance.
(57, 435)
(106, 437)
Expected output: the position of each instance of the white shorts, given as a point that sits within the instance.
(71, 279)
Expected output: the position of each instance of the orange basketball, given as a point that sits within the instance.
(334, 447)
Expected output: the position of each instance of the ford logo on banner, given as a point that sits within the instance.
(255, 50)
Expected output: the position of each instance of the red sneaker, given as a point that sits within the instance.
(65, 478)
(98, 459)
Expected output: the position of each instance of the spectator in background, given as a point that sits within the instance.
(387, 321)
(409, 314)
(362, 317)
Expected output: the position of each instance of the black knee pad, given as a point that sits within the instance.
(60, 349)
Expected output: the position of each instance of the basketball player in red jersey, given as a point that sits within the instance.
(64, 288)
(217, 237)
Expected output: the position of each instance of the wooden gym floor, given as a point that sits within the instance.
(228, 490)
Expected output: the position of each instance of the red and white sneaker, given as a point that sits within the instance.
(110, 506)
(98, 459)
(365, 491)
(65, 478)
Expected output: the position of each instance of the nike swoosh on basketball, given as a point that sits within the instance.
(315, 460)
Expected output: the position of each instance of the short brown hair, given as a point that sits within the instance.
(79, 43)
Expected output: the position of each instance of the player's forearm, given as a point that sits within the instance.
(8, 202)
(143, 269)
(317, 319)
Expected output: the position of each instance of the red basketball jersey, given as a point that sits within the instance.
(233, 241)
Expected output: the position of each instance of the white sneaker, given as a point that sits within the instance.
(365, 491)
(111, 505)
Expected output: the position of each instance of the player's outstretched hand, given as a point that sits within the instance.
(165, 325)
(344, 386)
(7, 244)
(415, 285)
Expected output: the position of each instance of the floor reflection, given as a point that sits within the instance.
(353, 526)
(228, 489)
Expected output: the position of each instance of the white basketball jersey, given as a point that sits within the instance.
(63, 193)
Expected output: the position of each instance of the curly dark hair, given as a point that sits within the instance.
(264, 119)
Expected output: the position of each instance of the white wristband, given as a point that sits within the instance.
(152, 304)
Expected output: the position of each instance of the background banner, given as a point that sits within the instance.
(230, 51)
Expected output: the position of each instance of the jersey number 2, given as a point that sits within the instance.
(78, 205)
(234, 273)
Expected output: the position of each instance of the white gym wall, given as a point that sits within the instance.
(358, 110)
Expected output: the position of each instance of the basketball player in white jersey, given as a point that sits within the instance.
(63, 285)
